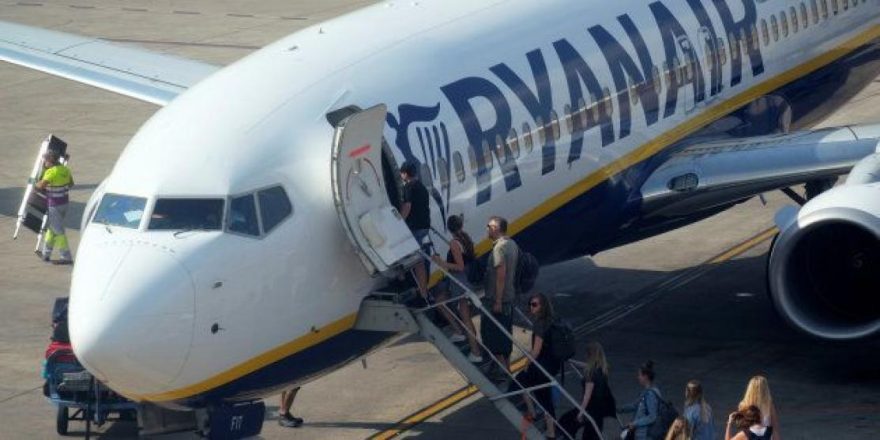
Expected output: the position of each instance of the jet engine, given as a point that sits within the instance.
(824, 267)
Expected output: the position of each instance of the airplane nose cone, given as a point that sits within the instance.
(131, 315)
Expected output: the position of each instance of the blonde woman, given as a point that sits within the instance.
(697, 412)
(598, 401)
(679, 430)
(758, 394)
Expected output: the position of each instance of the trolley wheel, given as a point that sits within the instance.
(61, 420)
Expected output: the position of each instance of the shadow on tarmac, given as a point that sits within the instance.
(10, 200)
(720, 328)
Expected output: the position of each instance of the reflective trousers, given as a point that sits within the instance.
(55, 237)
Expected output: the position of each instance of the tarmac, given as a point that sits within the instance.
(693, 300)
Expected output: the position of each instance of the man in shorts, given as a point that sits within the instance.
(500, 290)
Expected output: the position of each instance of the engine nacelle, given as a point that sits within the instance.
(824, 268)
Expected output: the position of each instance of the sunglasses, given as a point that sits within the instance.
(534, 304)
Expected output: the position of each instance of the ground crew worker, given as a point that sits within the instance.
(55, 183)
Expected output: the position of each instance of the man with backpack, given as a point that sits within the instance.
(500, 290)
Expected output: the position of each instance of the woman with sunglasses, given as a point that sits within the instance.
(542, 313)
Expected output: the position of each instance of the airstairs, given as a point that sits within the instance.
(387, 249)
(406, 312)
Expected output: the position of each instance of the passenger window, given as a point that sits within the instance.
(500, 151)
(554, 125)
(774, 25)
(542, 131)
(814, 9)
(784, 20)
(633, 93)
(458, 163)
(594, 107)
(845, 5)
(722, 51)
(487, 155)
(472, 158)
(607, 103)
(243, 216)
(185, 214)
(569, 124)
(442, 168)
(835, 8)
(805, 19)
(513, 142)
(794, 19)
(658, 80)
(765, 32)
(753, 40)
(582, 112)
(275, 206)
(527, 137)
(824, 4)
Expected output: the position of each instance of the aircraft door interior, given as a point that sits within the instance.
(359, 172)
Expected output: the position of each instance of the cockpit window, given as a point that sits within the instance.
(119, 210)
(243, 216)
(184, 214)
(274, 207)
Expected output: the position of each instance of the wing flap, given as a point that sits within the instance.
(130, 71)
(711, 174)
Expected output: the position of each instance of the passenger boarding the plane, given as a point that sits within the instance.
(416, 211)
(458, 259)
(500, 290)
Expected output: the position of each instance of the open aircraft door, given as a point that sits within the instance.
(378, 232)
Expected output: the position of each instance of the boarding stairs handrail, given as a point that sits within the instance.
(486, 314)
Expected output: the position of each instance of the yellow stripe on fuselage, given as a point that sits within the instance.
(680, 132)
(644, 152)
(310, 340)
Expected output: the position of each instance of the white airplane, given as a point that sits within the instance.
(227, 254)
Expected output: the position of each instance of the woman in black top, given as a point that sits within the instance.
(751, 424)
(542, 313)
(458, 259)
(598, 401)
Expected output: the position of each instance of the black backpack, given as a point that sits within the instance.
(476, 270)
(666, 414)
(561, 341)
(527, 268)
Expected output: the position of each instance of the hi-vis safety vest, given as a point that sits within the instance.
(59, 180)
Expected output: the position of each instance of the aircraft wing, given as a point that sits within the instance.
(130, 71)
(709, 174)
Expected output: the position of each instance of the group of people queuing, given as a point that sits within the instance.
(754, 419)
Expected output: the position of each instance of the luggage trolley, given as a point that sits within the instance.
(72, 389)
